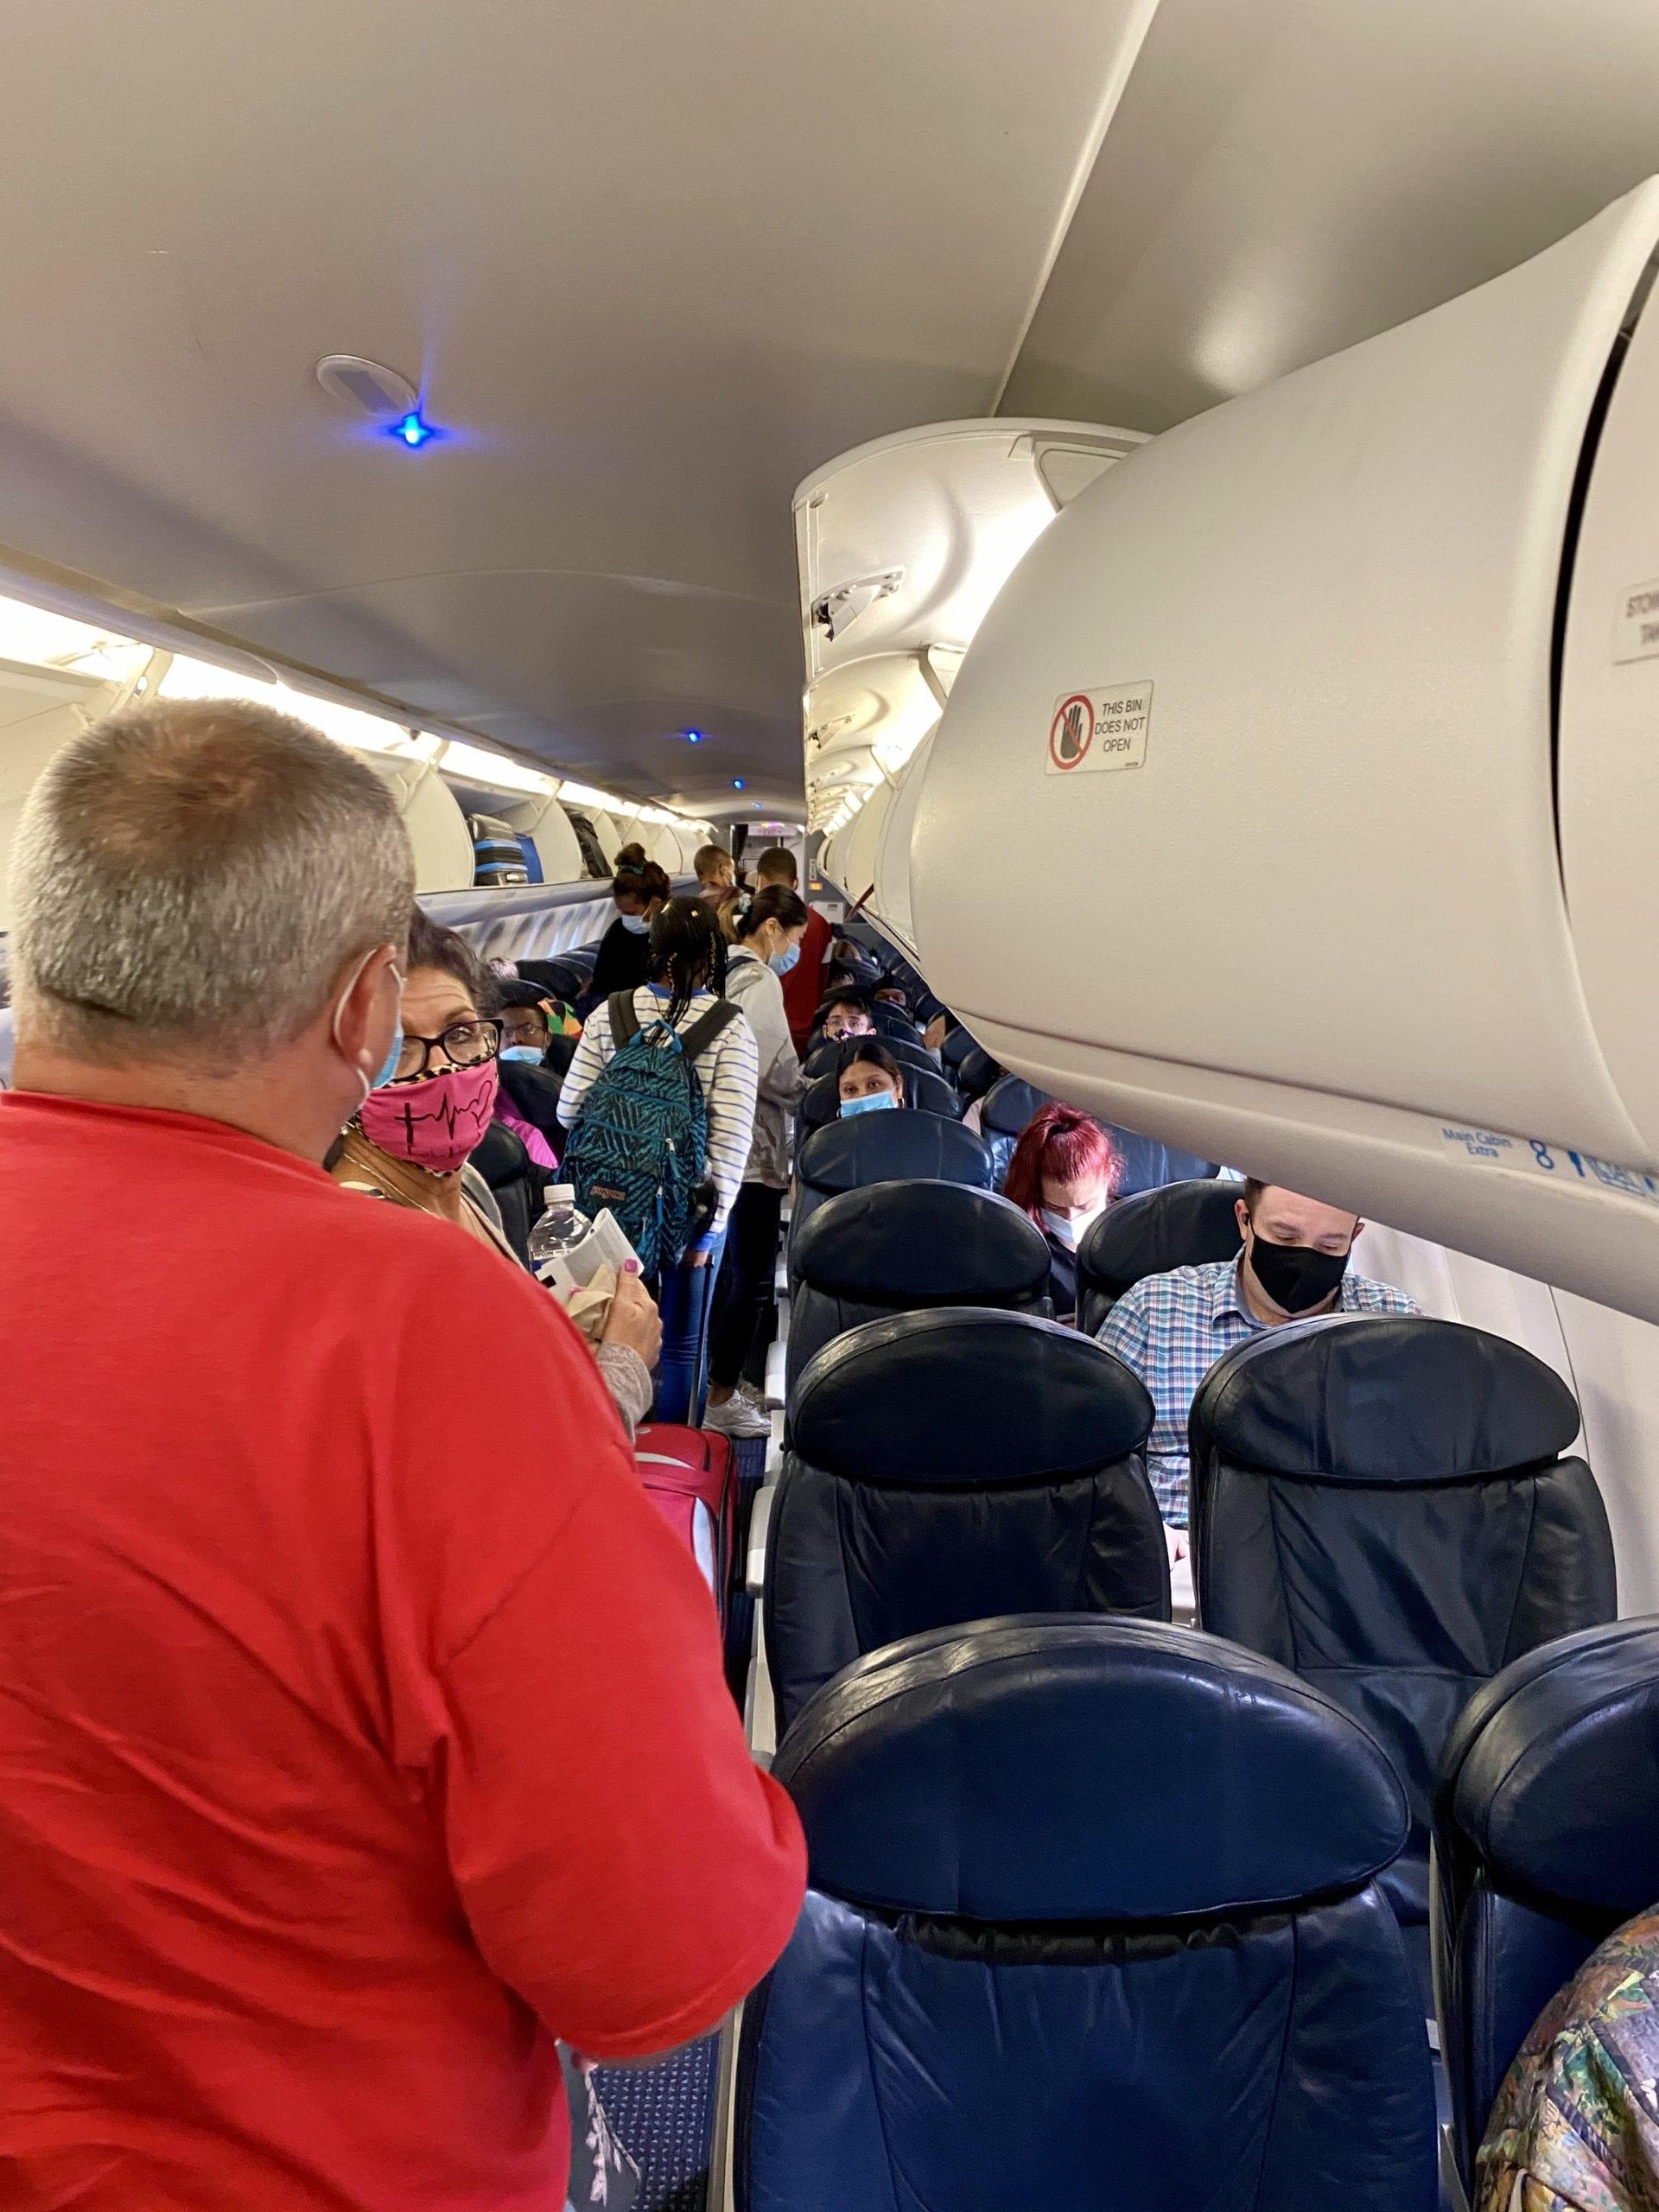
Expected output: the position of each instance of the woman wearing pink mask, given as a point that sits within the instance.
(415, 1132)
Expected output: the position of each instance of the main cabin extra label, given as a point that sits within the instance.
(1102, 726)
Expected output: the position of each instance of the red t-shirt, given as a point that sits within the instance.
(361, 1725)
(804, 985)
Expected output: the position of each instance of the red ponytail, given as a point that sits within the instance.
(1062, 1143)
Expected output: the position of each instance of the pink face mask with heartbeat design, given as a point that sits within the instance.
(436, 1122)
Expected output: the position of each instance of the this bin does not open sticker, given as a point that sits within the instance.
(1102, 726)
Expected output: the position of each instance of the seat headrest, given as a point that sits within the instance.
(1383, 1398)
(1553, 1769)
(1010, 1102)
(827, 1055)
(898, 1243)
(949, 1773)
(1182, 1225)
(966, 1397)
(977, 1072)
(925, 1091)
(500, 1156)
(899, 1147)
(532, 1091)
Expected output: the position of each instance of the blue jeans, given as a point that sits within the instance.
(685, 1300)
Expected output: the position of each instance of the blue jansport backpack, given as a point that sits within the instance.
(641, 1140)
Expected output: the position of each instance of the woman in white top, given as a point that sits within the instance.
(688, 967)
(767, 944)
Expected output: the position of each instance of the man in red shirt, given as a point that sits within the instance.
(347, 1755)
(804, 985)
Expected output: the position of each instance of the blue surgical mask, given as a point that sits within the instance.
(636, 924)
(781, 962)
(389, 1065)
(875, 1103)
(521, 1053)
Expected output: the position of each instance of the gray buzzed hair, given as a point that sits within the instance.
(190, 875)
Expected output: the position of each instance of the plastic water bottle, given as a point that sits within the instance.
(561, 1233)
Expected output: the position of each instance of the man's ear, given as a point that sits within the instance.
(365, 1012)
(1244, 1213)
(1359, 1230)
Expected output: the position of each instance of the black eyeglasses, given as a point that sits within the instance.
(464, 1045)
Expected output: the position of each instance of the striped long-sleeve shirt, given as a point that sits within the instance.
(729, 1071)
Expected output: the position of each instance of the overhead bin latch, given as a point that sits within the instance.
(835, 611)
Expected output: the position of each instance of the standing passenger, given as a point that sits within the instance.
(346, 1759)
(716, 875)
(804, 985)
(640, 890)
(687, 966)
(767, 946)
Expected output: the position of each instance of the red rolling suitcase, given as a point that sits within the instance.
(684, 1469)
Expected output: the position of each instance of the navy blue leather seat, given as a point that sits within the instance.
(901, 1248)
(1145, 1163)
(1092, 1926)
(825, 1055)
(945, 1467)
(1545, 1839)
(898, 1147)
(927, 1091)
(958, 1045)
(1181, 1225)
(1380, 1502)
(977, 1072)
(515, 1182)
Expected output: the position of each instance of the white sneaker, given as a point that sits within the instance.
(737, 1418)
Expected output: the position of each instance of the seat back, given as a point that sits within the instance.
(958, 1045)
(945, 1467)
(1035, 1968)
(901, 1147)
(827, 1055)
(927, 1091)
(501, 1159)
(1144, 1163)
(1381, 1502)
(975, 1073)
(1545, 1839)
(1182, 1225)
(901, 1248)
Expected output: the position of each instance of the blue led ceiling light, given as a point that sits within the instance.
(737, 783)
(694, 737)
(412, 429)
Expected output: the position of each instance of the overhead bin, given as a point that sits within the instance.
(545, 823)
(901, 545)
(437, 828)
(1272, 703)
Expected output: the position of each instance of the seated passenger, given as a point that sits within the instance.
(715, 873)
(1576, 2125)
(413, 1135)
(530, 1019)
(847, 1013)
(869, 1081)
(1062, 1174)
(1171, 1329)
(641, 890)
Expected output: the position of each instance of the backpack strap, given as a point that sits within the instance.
(703, 1031)
(625, 1021)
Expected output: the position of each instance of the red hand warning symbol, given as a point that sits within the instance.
(1072, 730)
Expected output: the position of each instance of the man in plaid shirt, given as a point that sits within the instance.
(1171, 1329)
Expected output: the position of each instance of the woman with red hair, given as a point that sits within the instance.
(1063, 1173)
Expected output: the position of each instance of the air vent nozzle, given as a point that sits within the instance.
(372, 388)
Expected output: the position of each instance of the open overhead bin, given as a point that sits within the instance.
(1332, 711)
(901, 546)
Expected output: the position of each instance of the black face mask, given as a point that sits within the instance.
(1294, 1276)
